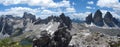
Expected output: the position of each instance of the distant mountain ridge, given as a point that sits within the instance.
(9, 24)
(100, 21)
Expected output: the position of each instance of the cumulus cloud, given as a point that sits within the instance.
(42, 3)
(39, 12)
(113, 13)
(109, 3)
(80, 16)
(18, 11)
(70, 9)
(115, 5)
(89, 7)
(90, 2)
(45, 13)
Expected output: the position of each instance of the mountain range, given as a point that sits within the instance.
(99, 20)
(61, 31)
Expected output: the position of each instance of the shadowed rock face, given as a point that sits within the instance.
(66, 20)
(108, 19)
(47, 20)
(60, 38)
(29, 16)
(97, 19)
(5, 25)
(116, 22)
(89, 19)
(1, 23)
(62, 19)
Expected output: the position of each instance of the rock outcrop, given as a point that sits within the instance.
(6, 27)
(97, 19)
(108, 19)
(60, 38)
(62, 19)
(29, 16)
(66, 20)
(89, 19)
(116, 22)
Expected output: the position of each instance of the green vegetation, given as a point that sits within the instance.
(7, 42)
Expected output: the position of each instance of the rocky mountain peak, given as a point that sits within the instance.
(66, 20)
(108, 19)
(108, 14)
(89, 19)
(29, 16)
(97, 19)
(61, 19)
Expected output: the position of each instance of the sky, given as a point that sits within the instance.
(72, 8)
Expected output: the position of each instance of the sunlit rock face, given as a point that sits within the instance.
(97, 19)
(60, 38)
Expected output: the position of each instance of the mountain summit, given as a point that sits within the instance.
(97, 19)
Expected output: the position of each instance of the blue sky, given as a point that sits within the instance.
(72, 8)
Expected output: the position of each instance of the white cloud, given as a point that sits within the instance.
(90, 2)
(70, 9)
(18, 11)
(42, 3)
(109, 3)
(115, 5)
(39, 12)
(45, 13)
(80, 16)
(88, 7)
(49, 12)
(114, 14)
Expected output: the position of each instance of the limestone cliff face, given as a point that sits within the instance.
(108, 19)
(89, 19)
(97, 19)
(29, 16)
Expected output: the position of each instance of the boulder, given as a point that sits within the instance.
(42, 41)
(60, 38)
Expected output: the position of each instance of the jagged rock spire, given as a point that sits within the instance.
(89, 19)
(97, 19)
(108, 19)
